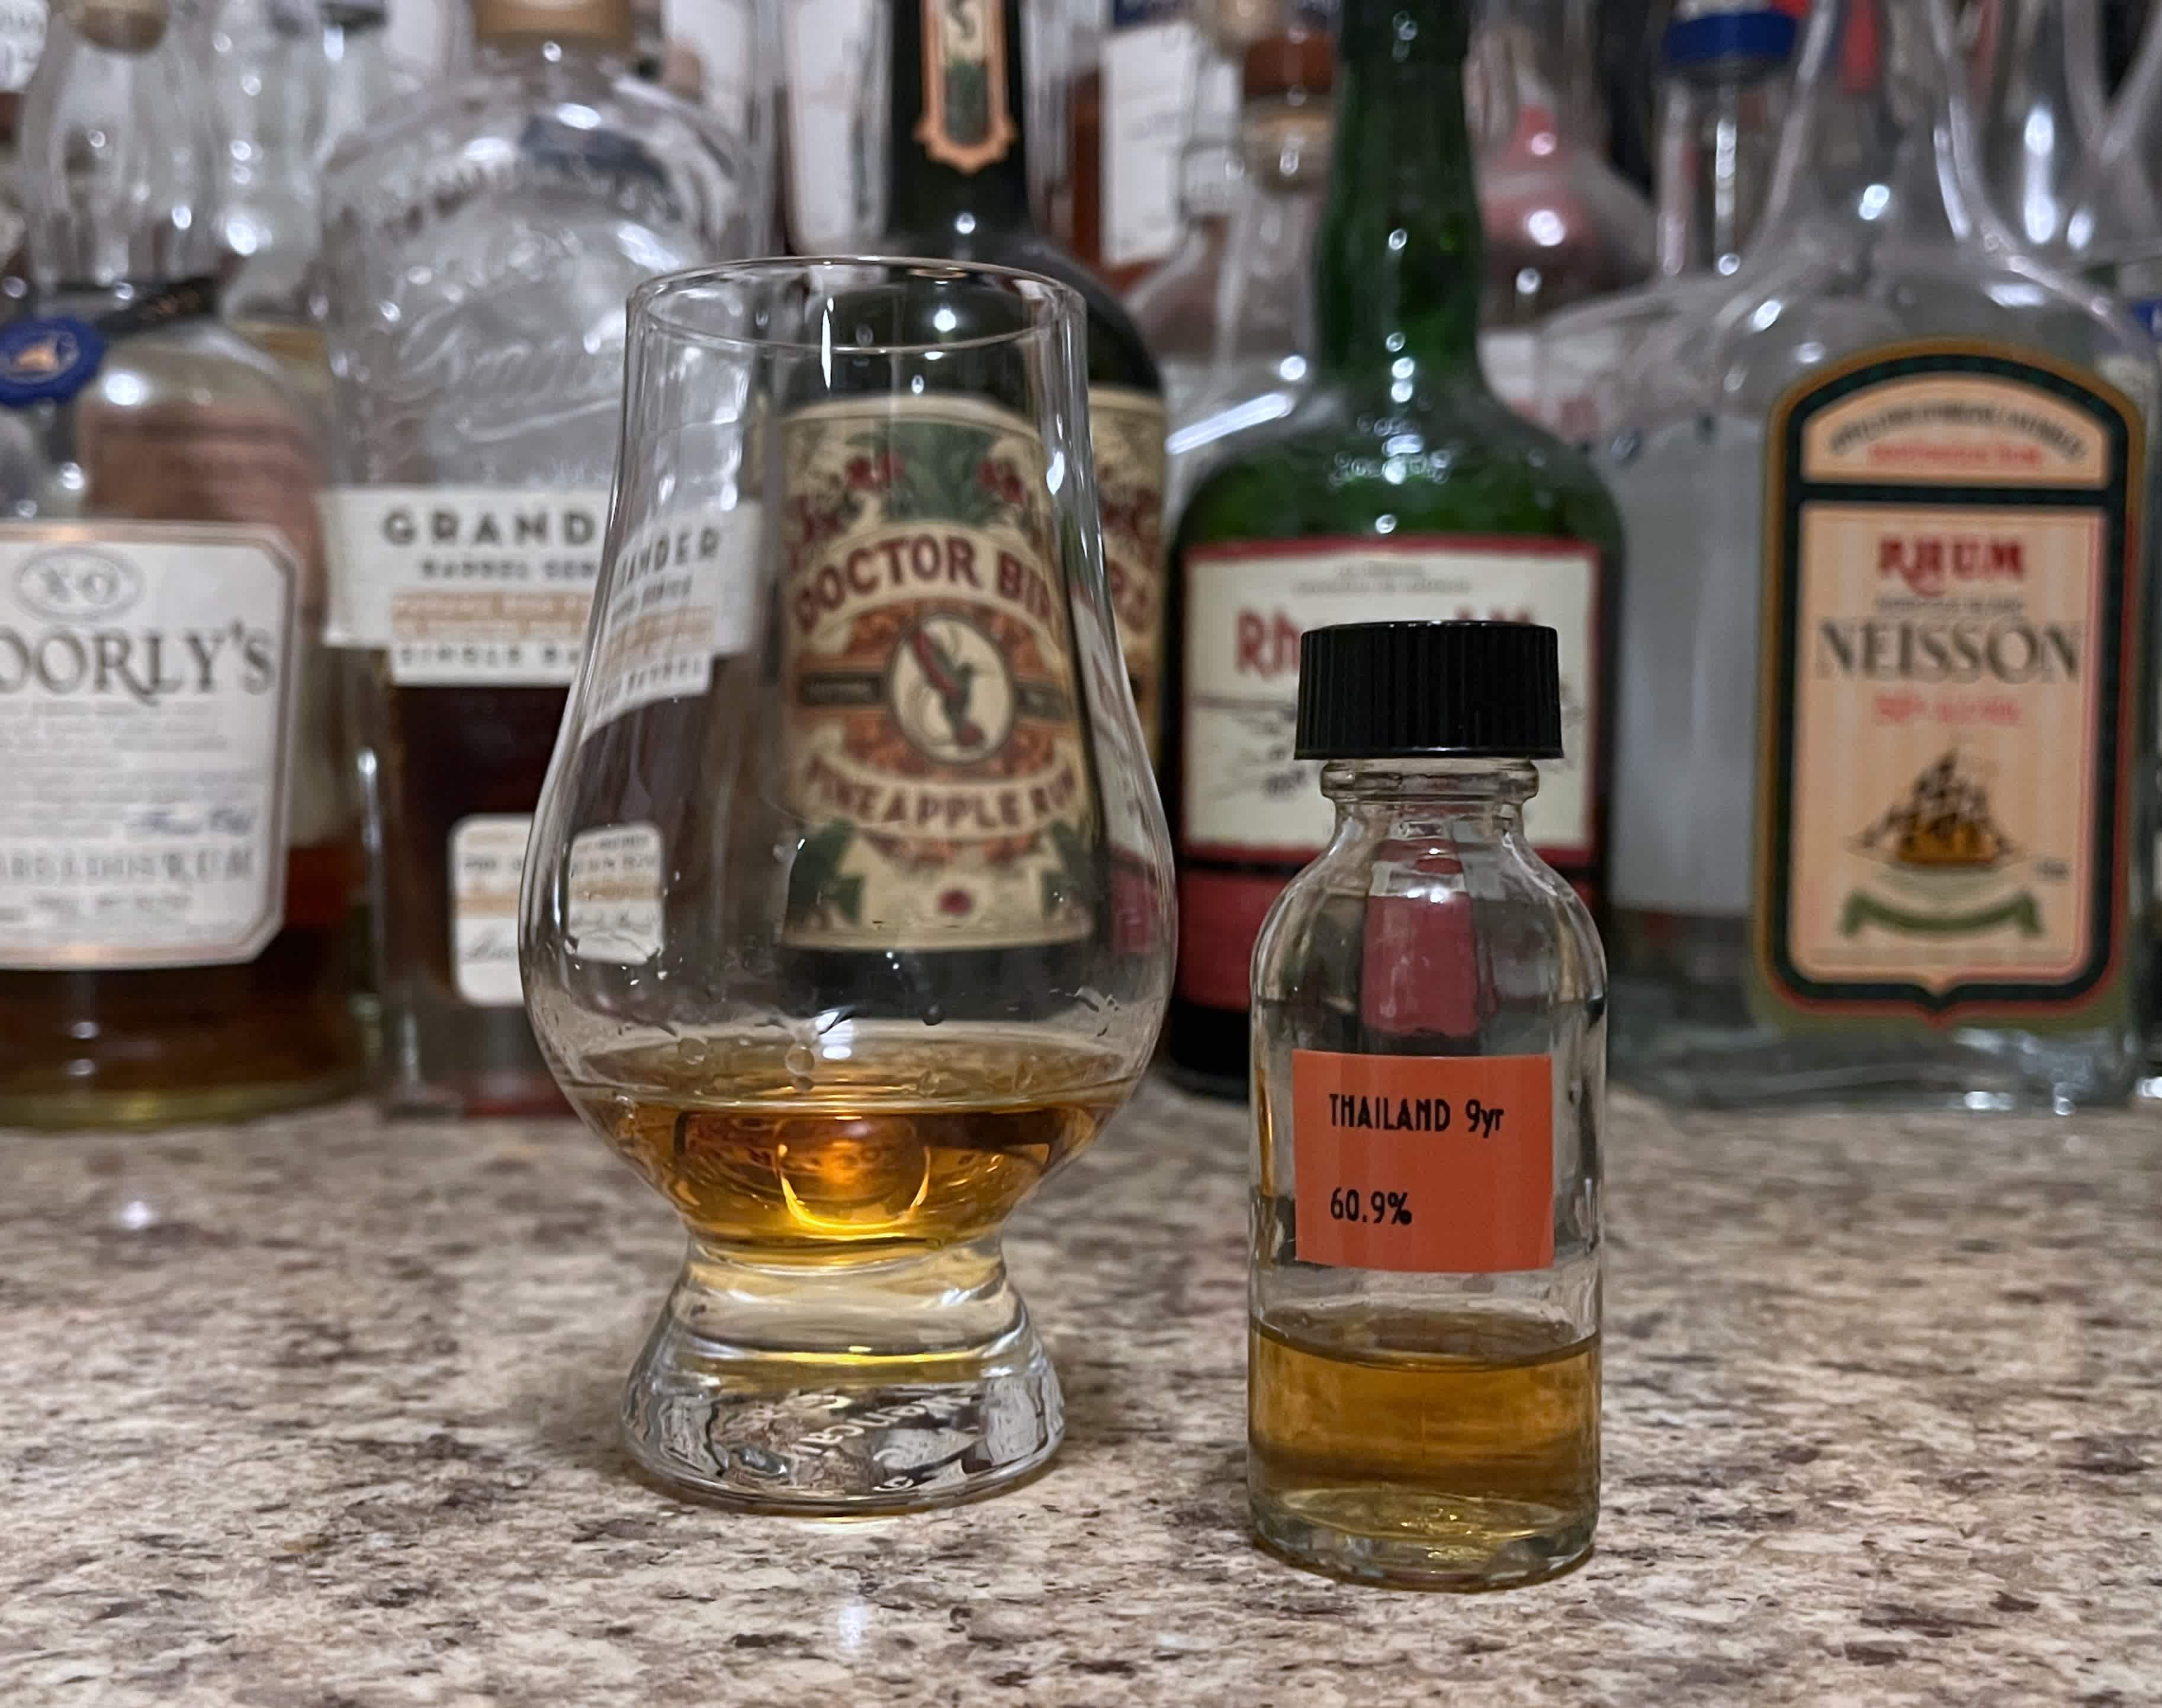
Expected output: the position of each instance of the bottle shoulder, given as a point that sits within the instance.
(1118, 355)
(1467, 466)
(1818, 299)
(582, 126)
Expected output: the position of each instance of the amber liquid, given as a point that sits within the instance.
(447, 754)
(896, 1149)
(1451, 1451)
(143, 1047)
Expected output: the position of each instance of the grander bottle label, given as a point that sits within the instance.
(934, 746)
(968, 113)
(463, 585)
(1127, 427)
(146, 711)
(1951, 615)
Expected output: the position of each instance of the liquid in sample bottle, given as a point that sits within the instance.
(1429, 1084)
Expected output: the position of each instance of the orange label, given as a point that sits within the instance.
(1437, 1165)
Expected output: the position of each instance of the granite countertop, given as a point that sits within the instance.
(319, 1414)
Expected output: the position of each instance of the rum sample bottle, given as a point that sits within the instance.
(479, 245)
(957, 188)
(1400, 489)
(178, 847)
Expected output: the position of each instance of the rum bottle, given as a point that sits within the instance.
(1400, 488)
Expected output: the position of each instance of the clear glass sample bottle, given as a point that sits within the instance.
(1429, 1086)
(1882, 785)
(478, 244)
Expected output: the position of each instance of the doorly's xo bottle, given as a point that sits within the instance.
(178, 851)
(1399, 489)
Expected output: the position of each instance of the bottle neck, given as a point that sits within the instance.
(958, 147)
(117, 169)
(1398, 256)
(1879, 142)
(1453, 800)
(2038, 90)
(1719, 136)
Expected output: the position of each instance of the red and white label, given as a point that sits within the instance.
(1246, 799)
(1423, 1164)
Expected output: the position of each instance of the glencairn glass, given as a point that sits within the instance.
(847, 914)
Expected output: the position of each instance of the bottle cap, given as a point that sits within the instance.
(47, 359)
(1399, 690)
(1754, 35)
(609, 21)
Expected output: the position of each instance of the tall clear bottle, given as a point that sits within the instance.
(1722, 97)
(1400, 488)
(2035, 76)
(1230, 317)
(178, 851)
(1562, 225)
(1881, 793)
(479, 246)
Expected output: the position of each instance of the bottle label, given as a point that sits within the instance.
(1949, 721)
(968, 119)
(934, 748)
(465, 583)
(1423, 1164)
(22, 41)
(1151, 68)
(146, 686)
(827, 46)
(209, 462)
(487, 857)
(1245, 801)
(681, 589)
(614, 885)
(1127, 427)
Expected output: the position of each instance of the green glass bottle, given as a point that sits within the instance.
(956, 186)
(1400, 488)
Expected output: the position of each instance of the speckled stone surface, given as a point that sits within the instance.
(318, 1413)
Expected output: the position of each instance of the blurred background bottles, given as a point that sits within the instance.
(181, 850)
(1229, 315)
(1562, 224)
(1848, 609)
(1722, 97)
(479, 246)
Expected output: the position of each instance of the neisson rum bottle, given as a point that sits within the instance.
(1400, 489)
(1886, 723)
(178, 848)
(957, 188)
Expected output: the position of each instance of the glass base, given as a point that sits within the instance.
(1393, 1538)
(875, 1388)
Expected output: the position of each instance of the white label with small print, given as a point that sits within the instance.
(146, 715)
(1247, 606)
(615, 894)
(488, 856)
(22, 40)
(683, 588)
(1149, 73)
(464, 584)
